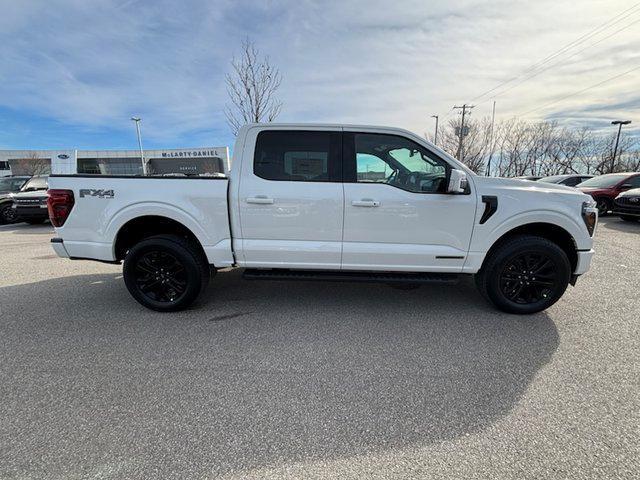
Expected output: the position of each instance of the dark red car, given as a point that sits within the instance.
(605, 188)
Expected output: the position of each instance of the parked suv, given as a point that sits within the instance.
(30, 203)
(605, 188)
(9, 185)
(627, 205)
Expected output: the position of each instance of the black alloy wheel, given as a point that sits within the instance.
(165, 272)
(160, 276)
(528, 278)
(8, 214)
(524, 274)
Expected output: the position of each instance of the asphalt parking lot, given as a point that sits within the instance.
(314, 380)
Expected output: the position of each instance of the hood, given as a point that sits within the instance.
(36, 194)
(634, 192)
(526, 185)
(518, 197)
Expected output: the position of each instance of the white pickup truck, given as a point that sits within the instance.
(329, 202)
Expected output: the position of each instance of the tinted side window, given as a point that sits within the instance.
(298, 156)
(399, 162)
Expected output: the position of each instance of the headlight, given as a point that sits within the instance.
(590, 216)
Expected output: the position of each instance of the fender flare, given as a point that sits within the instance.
(574, 229)
(156, 209)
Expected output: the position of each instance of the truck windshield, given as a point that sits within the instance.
(604, 181)
(35, 183)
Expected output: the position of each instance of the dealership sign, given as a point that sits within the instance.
(191, 154)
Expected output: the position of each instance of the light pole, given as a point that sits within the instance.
(435, 137)
(615, 149)
(144, 164)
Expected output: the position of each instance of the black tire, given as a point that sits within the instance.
(35, 221)
(525, 274)
(604, 206)
(629, 218)
(165, 273)
(7, 214)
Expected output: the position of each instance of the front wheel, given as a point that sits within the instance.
(526, 274)
(165, 272)
(603, 205)
(7, 214)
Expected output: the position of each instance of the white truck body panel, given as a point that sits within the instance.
(248, 221)
(200, 204)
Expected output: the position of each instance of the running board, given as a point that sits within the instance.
(349, 276)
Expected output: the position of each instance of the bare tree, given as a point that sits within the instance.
(520, 148)
(251, 87)
(32, 165)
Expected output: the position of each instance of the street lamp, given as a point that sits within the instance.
(435, 137)
(144, 164)
(615, 149)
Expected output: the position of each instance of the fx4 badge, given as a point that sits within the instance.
(96, 193)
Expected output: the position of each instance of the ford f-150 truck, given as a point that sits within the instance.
(329, 202)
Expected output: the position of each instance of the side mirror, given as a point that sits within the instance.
(457, 182)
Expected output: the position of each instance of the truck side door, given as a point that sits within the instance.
(290, 198)
(398, 216)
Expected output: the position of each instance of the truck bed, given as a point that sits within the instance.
(105, 203)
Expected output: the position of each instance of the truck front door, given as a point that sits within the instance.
(398, 216)
(291, 200)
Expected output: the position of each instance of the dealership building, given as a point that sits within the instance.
(189, 161)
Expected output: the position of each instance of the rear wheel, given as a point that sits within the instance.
(629, 218)
(526, 274)
(7, 214)
(165, 272)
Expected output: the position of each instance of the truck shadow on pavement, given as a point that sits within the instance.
(257, 374)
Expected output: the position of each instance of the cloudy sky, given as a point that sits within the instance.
(72, 72)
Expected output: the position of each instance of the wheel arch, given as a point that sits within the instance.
(145, 226)
(552, 232)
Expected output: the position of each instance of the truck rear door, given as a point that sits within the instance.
(290, 198)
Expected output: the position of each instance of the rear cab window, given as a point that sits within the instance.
(298, 156)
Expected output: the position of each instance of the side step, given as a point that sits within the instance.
(350, 276)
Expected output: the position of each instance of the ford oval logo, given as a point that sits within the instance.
(63, 156)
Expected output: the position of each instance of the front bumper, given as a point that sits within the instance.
(618, 210)
(58, 246)
(31, 212)
(584, 261)
(629, 205)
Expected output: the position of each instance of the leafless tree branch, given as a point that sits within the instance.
(251, 87)
(519, 148)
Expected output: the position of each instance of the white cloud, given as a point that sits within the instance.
(93, 64)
